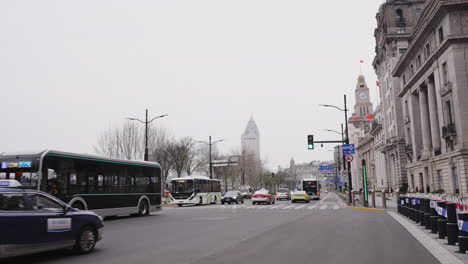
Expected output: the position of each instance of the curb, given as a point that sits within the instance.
(365, 208)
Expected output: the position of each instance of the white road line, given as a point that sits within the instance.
(277, 206)
(323, 207)
(251, 207)
(299, 207)
(336, 207)
(439, 252)
(288, 207)
(313, 206)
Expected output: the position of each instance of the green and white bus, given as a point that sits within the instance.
(106, 186)
(195, 190)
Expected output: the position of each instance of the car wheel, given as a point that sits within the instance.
(222, 202)
(237, 202)
(274, 201)
(86, 240)
(180, 205)
(143, 209)
(293, 201)
(254, 203)
(242, 200)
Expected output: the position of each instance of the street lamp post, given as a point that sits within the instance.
(346, 140)
(209, 143)
(146, 122)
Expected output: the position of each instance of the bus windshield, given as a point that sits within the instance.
(23, 171)
(182, 186)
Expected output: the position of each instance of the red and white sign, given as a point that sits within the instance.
(344, 173)
(349, 158)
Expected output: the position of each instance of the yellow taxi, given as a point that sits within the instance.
(300, 196)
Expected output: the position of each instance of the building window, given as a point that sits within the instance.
(401, 30)
(362, 85)
(444, 73)
(441, 35)
(399, 16)
(418, 12)
(412, 70)
(404, 80)
(456, 185)
(402, 51)
(439, 179)
(428, 50)
(418, 61)
(448, 112)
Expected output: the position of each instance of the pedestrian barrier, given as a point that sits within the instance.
(444, 215)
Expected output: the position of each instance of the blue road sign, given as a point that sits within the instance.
(326, 168)
(348, 149)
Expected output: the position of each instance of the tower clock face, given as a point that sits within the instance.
(363, 96)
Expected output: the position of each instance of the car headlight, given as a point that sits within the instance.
(100, 218)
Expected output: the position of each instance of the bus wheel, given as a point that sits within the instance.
(143, 209)
(201, 201)
(78, 205)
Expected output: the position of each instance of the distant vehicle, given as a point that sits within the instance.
(107, 186)
(246, 194)
(32, 221)
(195, 190)
(300, 196)
(283, 194)
(232, 197)
(312, 188)
(263, 196)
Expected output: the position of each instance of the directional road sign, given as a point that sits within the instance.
(348, 149)
(326, 168)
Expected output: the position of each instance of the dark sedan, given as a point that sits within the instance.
(32, 221)
(232, 197)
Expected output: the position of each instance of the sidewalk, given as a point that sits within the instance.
(390, 201)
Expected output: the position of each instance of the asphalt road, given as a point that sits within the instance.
(318, 232)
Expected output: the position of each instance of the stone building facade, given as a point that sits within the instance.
(396, 21)
(359, 126)
(433, 80)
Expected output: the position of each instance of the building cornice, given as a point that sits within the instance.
(432, 13)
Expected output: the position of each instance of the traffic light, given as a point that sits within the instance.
(310, 142)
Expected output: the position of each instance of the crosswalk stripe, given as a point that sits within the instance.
(250, 207)
(323, 207)
(277, 206)
(287, 207)
(313, 206)
(299, 207)
(336, 207)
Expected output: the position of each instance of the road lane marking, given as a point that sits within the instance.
(299, 207)
(277, 206)
(312, 207)
(439, 252)
(336, 207)
(287, 207)
(323, 207)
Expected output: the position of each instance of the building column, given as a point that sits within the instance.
(433, 114)
(425, 123)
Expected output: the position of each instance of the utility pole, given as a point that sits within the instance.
(209, 143)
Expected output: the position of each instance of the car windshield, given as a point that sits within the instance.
(300, 192)
(231, 193)
(282, 190)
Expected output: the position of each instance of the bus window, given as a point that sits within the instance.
(3, 175)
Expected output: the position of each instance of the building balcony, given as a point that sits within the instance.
(449, 130)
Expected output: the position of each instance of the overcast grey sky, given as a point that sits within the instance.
(70, 69)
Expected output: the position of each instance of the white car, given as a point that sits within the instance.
(283, 194)
(263, 196)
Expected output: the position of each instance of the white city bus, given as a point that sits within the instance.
(312, 188)
(195, 190)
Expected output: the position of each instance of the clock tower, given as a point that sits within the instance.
(363, 110)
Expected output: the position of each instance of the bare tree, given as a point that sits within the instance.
(121, 142)
(194, 158)
(160, 149)
(180, 154)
